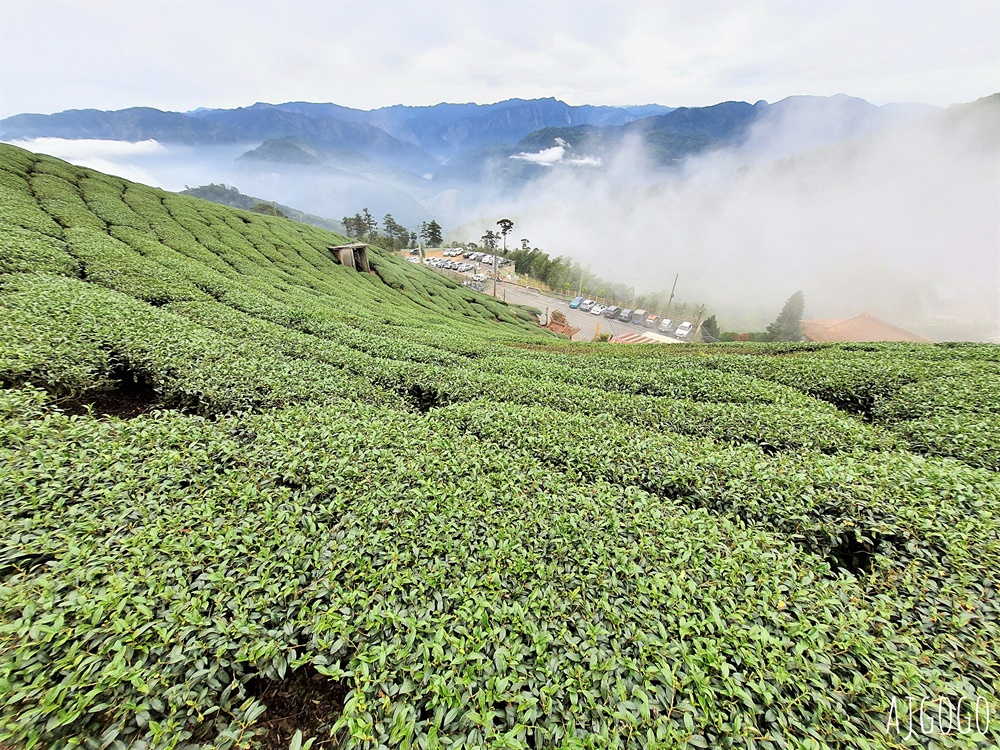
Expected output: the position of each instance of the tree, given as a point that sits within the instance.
(490, 239)
(396, 235)
(524, 244)
(506, 225)
(268, 209)
(434, 233)
(370, 224)
(788, 325)
(710, 329)
(354, 226)
(431, 233)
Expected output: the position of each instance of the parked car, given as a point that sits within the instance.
(683, 330)
(666, 325)
(625, 315)
(639, 316)
(576, 302)
(611, 311)
(479, 277)
(597, 309)
(586, 305)
(651, 321)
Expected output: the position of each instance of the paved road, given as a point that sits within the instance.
(590, 325)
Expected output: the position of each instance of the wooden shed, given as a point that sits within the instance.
(353, 256)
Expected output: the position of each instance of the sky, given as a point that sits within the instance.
(179, 55)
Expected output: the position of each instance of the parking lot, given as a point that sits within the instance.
(590, 325)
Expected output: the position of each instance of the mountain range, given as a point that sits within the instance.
(331, 160)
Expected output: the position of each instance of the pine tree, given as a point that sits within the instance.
(431, 232)
(788, 325)
(354, 226)
(370, 224)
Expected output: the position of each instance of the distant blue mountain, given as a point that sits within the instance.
(134, 124)
(441, 130)
(410, 134)
(331, 159)
(671, 137)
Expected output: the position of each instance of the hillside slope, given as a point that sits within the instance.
(228, 195)
(250, 496)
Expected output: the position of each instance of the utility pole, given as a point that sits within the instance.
(697, 324)
(667, 311)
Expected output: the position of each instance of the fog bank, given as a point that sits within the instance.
(904, 223)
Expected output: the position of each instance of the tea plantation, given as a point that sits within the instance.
(252, 498)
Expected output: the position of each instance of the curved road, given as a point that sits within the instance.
(590, 325)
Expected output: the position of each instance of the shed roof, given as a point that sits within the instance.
(863, 327)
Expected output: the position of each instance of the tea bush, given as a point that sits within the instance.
(483, 535)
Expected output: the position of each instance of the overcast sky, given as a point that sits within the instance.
(179, 54)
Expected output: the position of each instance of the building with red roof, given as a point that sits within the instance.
(863, 327)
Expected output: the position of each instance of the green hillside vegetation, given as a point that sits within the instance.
(252, 497)
(228, 195)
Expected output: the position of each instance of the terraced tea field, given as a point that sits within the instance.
(250, 497)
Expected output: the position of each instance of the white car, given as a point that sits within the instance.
(586, 305)
(479, 277)
(683, 330)
(598, 309)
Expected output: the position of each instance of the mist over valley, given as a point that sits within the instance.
(889, 209)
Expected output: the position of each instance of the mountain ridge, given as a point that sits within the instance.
(418, 126)
(333, 160)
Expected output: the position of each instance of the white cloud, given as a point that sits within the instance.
(877, 223)
(546, 157)
(584, 161)
(68, 54)
(65, 148)
(111, 157)
(149, 162)
(557, 155)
